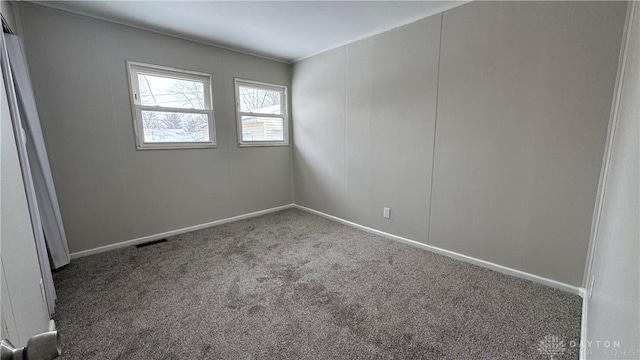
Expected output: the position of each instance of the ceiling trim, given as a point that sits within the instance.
(411, 20)
(101, 18)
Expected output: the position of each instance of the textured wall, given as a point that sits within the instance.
(108, 191)
(523, 100)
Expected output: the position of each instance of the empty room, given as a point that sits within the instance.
(320, 180)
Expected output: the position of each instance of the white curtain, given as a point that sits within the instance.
(46, 198)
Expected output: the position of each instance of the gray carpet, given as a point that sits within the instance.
(292, 285)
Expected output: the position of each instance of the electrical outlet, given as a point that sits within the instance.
(386, 213)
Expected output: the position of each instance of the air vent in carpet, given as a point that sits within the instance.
(151, 243)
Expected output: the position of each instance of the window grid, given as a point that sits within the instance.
(172, 108)
(261, 123)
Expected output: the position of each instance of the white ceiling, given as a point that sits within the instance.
(282, 30)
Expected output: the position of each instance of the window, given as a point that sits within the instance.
(261, 114)
(172, 108)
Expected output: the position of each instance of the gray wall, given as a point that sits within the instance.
(318, 102)
(613, 312)
(391, 114)
(108, 191)
(348, 104)
(523, 100)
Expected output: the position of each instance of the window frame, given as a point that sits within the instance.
(133, 68)
(284, 109)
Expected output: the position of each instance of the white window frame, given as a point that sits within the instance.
(284, 114)
(133, 68)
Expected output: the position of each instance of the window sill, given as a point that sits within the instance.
(262, 144)
(176, 147)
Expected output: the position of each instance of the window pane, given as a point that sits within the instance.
(161, 126)
(262, 129)
(259, 101)
(171, 92)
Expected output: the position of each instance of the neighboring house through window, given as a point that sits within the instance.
(261, 111)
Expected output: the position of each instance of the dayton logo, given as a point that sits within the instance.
(552, 346)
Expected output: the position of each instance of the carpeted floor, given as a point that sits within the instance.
(292, 285)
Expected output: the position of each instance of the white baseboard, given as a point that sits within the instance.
(486, 264)
(163, 235)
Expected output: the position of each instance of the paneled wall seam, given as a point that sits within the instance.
(113, 118)
(291, 139)
(228, 155)
(525, 93)
(435, 129)
(346, 127)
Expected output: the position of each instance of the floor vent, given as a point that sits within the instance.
(151, 243)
